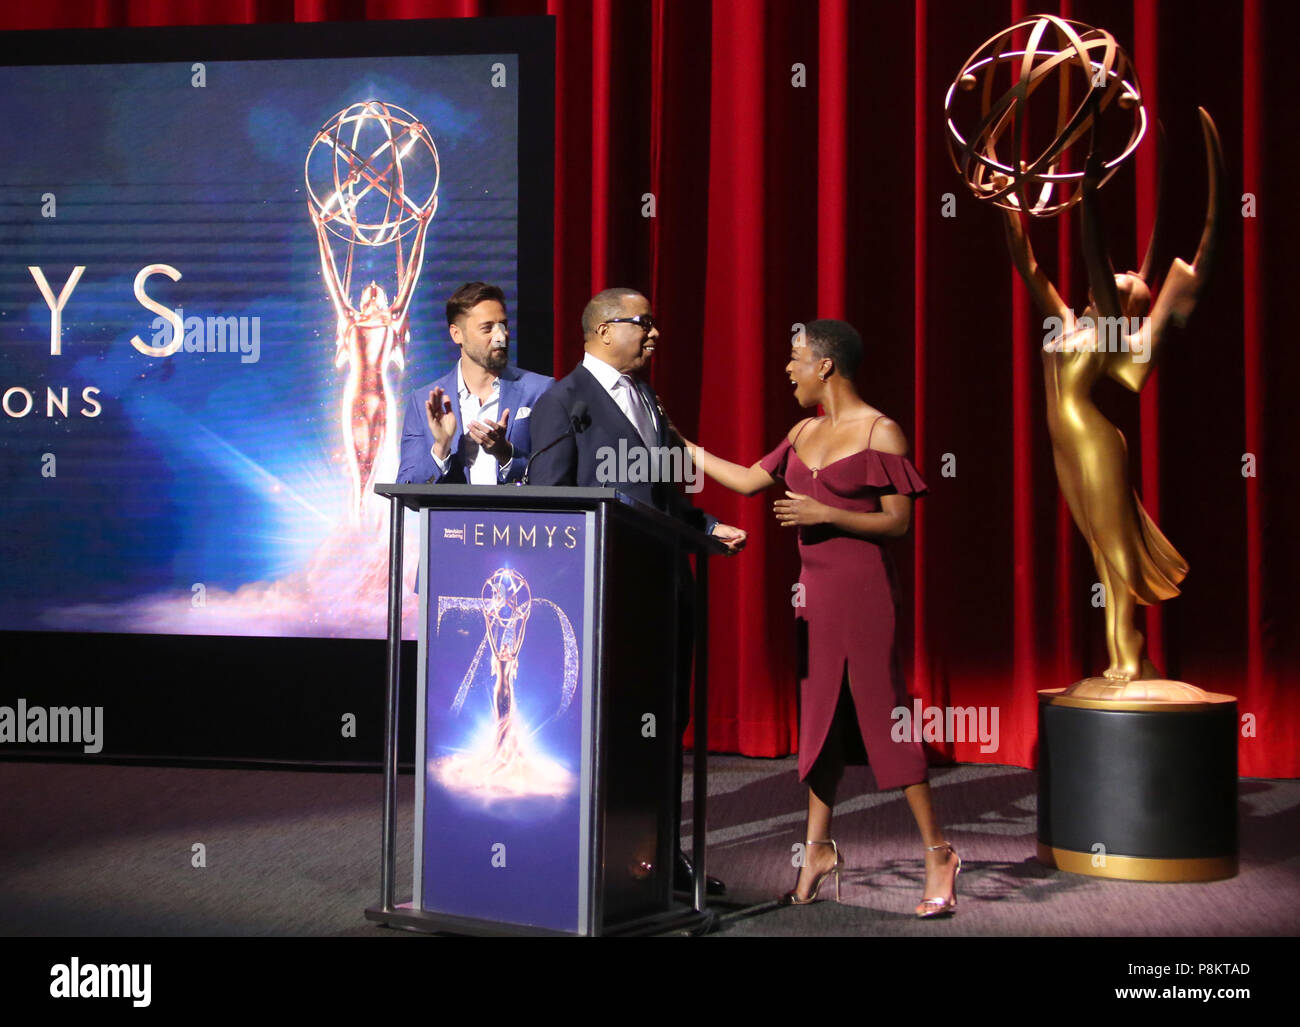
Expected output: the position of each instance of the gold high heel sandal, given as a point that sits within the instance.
(791, 898)
(942, 905)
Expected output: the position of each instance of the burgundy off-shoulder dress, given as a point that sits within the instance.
(851, 595)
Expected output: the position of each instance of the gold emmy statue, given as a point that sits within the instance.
(503, 761)
(362, 168)
(507, 604)
(1120, 332)
(1137, 775)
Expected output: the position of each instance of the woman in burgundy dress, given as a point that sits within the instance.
(848, 487)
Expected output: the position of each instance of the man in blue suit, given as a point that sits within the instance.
(471, 426)
(624, 415)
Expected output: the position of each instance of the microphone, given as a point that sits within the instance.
(579, 421)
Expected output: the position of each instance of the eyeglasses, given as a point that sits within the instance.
(643, 321)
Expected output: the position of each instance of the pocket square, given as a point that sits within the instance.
(522, 412)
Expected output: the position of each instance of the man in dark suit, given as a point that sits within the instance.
(621, 337)
(625, 415)
(460, 429)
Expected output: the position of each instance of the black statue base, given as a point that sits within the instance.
(1139, 791)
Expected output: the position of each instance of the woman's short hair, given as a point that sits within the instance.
(837, 340)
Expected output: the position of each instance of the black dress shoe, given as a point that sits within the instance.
(683, 874)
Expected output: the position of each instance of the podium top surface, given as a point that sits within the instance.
(416, 496)
(543, 497)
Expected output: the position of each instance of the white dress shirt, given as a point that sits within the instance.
(623, 390)
(480, 468)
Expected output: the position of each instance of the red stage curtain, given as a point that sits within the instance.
(796, 157)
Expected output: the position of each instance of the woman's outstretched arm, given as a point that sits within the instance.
(745, 480)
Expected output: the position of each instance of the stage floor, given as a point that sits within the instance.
(109, 849)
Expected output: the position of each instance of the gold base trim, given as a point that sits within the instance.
(1136, 868)
(1059, 697)
(1137, 690)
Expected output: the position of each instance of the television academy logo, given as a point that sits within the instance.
(520, 536)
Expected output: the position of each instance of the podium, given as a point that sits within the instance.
(548, 734)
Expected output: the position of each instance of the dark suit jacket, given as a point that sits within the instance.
(587, 458)
(520, 389)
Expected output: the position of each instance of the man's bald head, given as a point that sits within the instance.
(605, 304)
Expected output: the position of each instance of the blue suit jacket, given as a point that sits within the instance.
(520, 390)
(574, 461)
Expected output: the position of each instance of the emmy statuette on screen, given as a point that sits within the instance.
(372, 180)
(1137, 773)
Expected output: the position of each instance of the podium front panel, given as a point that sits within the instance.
(640, 755)
(504, 716)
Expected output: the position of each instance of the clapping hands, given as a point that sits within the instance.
(442, 421)
(491, 436)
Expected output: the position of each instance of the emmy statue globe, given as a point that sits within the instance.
(372, 182)
(1137, 773)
